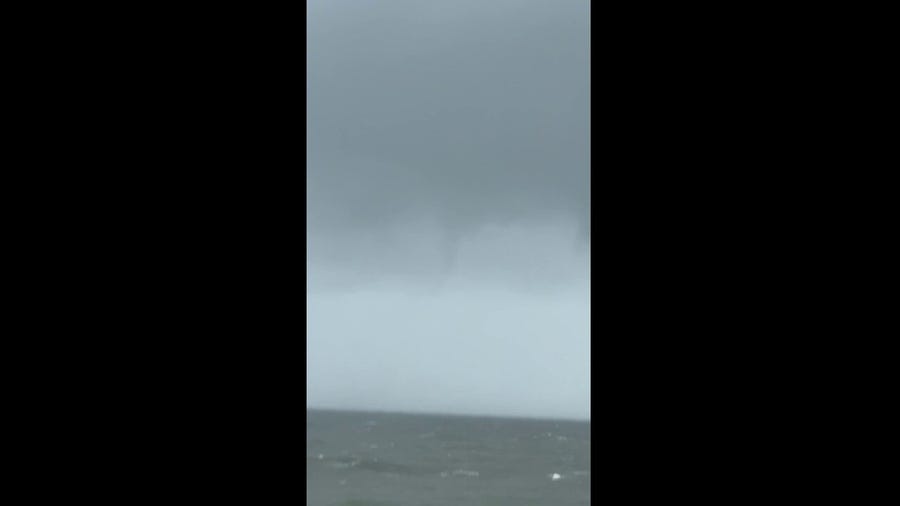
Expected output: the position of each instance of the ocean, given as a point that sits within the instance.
(382, 459)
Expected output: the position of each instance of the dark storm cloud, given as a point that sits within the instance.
(448, 197)
(444, 117)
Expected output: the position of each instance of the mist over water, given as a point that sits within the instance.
(456, 351)
(448, 197)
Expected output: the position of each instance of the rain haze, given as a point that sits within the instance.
(448, 206)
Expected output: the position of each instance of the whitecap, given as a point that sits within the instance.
(460, 472)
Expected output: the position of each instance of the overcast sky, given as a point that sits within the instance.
(448, 201)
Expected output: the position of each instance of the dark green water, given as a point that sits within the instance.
(356, 459)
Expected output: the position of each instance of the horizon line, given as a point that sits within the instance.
(457, 415)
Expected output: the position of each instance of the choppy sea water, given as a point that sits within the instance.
(380, 459)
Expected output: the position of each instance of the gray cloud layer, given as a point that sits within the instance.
(448, 154)
(464, 113)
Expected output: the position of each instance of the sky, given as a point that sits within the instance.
(448, 206)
